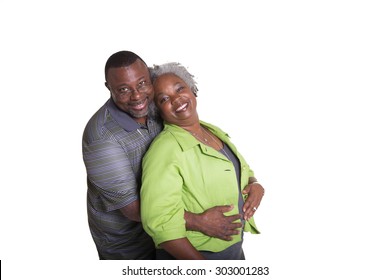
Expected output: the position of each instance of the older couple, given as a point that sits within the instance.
(198, 194)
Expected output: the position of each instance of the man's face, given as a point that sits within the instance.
(131, 89)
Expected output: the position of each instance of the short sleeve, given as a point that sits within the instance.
(109, 174)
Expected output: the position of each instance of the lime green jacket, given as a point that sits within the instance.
(180, 173)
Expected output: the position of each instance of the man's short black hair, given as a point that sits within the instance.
(121, 59)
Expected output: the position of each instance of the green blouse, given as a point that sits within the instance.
(180, 173)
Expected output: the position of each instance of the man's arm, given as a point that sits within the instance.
(132, 211)
(214, 223)
(110, 173)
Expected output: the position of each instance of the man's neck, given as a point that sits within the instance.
(141, 120)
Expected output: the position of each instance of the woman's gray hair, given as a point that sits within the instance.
(176, 69)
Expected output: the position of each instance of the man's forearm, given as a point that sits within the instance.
(192, 221)
(132, 211)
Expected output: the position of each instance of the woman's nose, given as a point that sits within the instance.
(176, 100)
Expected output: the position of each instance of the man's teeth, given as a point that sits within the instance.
(139, 106)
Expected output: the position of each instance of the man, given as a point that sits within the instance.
(114, 142)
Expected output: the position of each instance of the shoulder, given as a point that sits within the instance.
(169, 144)
(216, 130)
(103, 125)
(164, 143)
(95, 125)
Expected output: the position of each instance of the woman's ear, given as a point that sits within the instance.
(194, 90)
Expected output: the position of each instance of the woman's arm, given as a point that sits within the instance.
(181, 249)
(255, 192)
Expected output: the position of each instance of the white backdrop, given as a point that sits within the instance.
(301, 87)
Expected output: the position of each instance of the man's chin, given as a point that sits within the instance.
(138, 114)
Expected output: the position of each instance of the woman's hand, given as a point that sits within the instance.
(255, 193)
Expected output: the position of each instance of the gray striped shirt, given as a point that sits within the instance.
(113, 147)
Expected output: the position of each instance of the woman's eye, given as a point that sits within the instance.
(164, 99)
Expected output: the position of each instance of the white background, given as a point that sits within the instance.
(301, 87)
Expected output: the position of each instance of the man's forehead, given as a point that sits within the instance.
(128, 73)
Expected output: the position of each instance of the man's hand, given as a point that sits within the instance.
(214, 223)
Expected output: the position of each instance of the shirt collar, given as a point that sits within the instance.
(186, 142)
(123, 119)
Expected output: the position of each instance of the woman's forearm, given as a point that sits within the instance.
(181, 249)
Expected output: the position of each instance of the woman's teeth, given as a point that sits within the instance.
(182, 107)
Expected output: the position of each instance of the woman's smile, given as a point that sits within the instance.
(182, 108)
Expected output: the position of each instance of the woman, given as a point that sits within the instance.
(191, 166)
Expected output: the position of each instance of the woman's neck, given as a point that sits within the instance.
(193, 128)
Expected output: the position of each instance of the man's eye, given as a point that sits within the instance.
(123, 90)
(142, 83)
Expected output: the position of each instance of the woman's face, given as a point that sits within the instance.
(175, 100)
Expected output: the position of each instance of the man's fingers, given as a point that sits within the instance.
(233, 218)
(235, 226)
(225, 237)
(228, 234)
(224, 208)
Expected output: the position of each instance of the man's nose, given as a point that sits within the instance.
(136, 94)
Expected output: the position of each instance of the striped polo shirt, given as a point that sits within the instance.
(113, 147)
